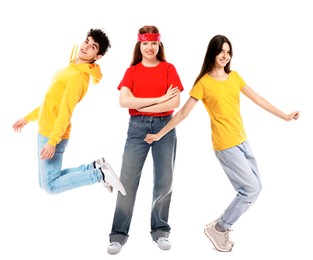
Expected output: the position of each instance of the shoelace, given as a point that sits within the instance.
(161, 239)
(226, 235)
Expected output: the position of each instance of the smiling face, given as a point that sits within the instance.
(149, 50)
(88, 52)
(223, 57)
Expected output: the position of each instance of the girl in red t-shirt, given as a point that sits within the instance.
(150, 89)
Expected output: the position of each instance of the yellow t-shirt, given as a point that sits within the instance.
(222, 101)
(67, 88)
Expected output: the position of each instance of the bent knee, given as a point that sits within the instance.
(254, 194)
(49, 189)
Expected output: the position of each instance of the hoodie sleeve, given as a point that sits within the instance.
(33, 116)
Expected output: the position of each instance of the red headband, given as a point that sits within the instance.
(149, 37)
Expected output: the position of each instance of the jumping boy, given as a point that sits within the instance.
(67, 89)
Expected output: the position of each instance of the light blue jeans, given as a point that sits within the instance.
(241, 169)
(54, 180)
(134, 156)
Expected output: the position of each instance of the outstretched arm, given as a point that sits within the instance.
(262, 102)
(179, 116)
(32, 116)
(47, 152)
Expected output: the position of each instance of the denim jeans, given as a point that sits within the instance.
(134, 156)
(241, 169)
(54, 180)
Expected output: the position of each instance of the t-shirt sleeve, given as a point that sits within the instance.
(197, 91)
(127, 80)
(173, 78)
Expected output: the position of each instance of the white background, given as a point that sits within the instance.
(272, 43)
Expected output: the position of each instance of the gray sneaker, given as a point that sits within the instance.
(163, 243)
(220, 240)
(231, 243)
(114, 248)
(111, 179)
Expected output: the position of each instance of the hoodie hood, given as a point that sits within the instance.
(93, 69)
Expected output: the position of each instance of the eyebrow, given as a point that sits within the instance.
(94, 44)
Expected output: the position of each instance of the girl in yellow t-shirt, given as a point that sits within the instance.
(219, 89)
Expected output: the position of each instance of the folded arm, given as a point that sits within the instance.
(128, 100)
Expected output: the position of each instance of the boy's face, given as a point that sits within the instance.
(88, 52)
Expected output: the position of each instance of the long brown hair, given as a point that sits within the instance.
(137, 56)
(215, 47)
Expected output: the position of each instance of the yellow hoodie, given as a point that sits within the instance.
(67, 88)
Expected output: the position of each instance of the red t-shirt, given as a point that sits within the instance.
(147, 82)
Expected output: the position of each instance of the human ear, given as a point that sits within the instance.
(98, 57)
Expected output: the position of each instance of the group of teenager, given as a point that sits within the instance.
(150, 89)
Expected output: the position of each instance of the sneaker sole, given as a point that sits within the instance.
(116, 183)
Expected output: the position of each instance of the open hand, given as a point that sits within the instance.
(19, 124)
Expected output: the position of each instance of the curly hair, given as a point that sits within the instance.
(100, 37)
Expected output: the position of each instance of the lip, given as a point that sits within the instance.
(224, 61)
(149, 53)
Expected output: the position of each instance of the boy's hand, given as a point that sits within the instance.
(19, 124)
(47, 152)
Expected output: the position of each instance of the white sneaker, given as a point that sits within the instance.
(114, 248)
(163, 243)
(107, 186)
(98, 163)
(111, 179)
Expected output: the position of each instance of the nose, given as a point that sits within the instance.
(87, 46)
(225, 55)
(150, 45)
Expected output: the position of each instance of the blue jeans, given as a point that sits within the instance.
(241, 169)
(134, 156)
(54, 180)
